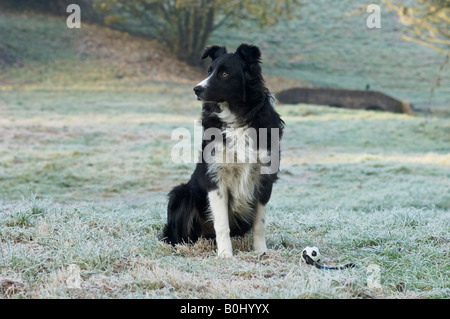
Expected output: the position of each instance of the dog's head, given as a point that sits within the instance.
(230, 74)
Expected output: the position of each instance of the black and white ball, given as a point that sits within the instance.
(310, 254)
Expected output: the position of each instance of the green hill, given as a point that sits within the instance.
(38, 50)
(328, 49)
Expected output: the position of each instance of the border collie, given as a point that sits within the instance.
(226, 195)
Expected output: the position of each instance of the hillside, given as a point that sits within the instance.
(329, 47)
(326, 48)
(40, 50)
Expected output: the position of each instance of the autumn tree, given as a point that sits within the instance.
(426, 22)
(186, 25)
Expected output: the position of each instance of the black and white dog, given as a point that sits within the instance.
(229, 189)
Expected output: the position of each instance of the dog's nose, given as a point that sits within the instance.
(198, 89)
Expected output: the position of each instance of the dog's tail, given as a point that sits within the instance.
(183, 225)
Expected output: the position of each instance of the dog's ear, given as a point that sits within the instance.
(214, 52)
(249, 53)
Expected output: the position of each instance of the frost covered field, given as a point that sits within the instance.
(84, 175)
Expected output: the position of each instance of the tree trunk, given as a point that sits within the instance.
(195, 25)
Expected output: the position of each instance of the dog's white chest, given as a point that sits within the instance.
(236, 171)
(239, 182)
(235, 166)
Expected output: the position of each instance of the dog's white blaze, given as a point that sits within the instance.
(204, 83)
(259, 229)
(218, 202)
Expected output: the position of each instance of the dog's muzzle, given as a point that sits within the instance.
(198, 90)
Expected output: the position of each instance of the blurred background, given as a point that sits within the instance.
(304, 43)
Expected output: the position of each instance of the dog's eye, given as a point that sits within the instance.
(224, 74)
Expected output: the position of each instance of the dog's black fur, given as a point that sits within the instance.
(234, 79)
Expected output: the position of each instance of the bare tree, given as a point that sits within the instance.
(185, 25)
(426, 22)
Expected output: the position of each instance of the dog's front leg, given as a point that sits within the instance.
(218, 201)
(259, 229)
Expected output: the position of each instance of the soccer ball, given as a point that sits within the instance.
(311, 254)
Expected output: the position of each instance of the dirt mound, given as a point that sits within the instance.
(133, 56)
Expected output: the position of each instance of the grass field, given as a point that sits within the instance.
(85, 168)
(84, 176)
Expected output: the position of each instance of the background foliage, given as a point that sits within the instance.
(186, 25)
(426, 22)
